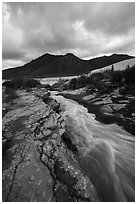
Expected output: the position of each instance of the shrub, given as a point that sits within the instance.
(21, 83)
(126, 76)
(30, 83)
(28, 89)
(112, 77)
(10, 95)
(73, 83)
(46, 86)
(96, 77)
(66, 85)
(129, 75)
(116, 76)
(83, 81)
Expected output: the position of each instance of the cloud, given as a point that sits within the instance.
(12, 63)
(12, 54)
(112, 18)
(86, 29)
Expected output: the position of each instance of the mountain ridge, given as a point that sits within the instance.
(50, 65)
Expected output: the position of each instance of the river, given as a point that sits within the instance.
(109, 155)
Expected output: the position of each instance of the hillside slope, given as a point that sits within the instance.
(49, 65)
(104, 61)
(116, 66)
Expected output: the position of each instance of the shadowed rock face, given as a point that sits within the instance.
(38, 166)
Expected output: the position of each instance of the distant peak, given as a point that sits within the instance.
(69, 54)
(48, 54)
(116, 54)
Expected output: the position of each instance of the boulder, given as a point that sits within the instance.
(54, 105)
(106, 109)
(45, 97)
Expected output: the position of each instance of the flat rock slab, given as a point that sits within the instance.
(37, 165)
(88, 97)
(25, 177)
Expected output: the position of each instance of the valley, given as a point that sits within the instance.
(70, 139)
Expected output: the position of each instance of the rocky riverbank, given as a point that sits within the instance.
(110, 105)
(40, 163)
(106, 152)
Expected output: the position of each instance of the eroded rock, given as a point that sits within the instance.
(67, 170)
(37, 164)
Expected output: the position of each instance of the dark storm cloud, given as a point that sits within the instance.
(86, 29)
(112, 18)
(11, 54)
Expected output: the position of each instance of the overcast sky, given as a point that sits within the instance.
(85, 29)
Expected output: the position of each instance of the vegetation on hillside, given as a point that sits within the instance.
(21, 83)
(109, 95)
(104, 61)
(126, 76)
(122, 77)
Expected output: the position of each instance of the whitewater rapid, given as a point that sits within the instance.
(109, 156)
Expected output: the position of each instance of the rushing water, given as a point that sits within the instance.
(109, 157)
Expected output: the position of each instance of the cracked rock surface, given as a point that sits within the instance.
(37, 164)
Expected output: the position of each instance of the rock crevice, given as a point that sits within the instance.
(43, 164)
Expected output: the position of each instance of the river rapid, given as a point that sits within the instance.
(108, 156)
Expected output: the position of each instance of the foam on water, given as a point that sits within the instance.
(109, 159)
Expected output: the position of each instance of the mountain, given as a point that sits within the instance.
(104, 61)
(49, 65)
